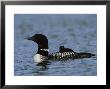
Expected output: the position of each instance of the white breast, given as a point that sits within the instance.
(39, 58)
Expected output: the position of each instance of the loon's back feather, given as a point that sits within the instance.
(59, 55)
(69, 55)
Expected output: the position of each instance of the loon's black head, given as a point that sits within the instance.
(42, 42)
(39, 39)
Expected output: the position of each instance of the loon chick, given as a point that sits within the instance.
(63, 49)
(42, 55)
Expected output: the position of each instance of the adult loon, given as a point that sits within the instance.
(43, 55)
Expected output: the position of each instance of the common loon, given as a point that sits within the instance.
(43, 55)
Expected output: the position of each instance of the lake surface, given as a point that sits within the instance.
(75, 31)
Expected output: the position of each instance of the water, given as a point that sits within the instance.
(78, 32)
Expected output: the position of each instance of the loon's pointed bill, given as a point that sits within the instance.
(43, 54)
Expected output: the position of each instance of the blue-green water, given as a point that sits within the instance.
(78, 32)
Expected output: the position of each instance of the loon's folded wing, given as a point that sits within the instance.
(68, 55)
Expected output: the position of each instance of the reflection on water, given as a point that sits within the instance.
(77, 32)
